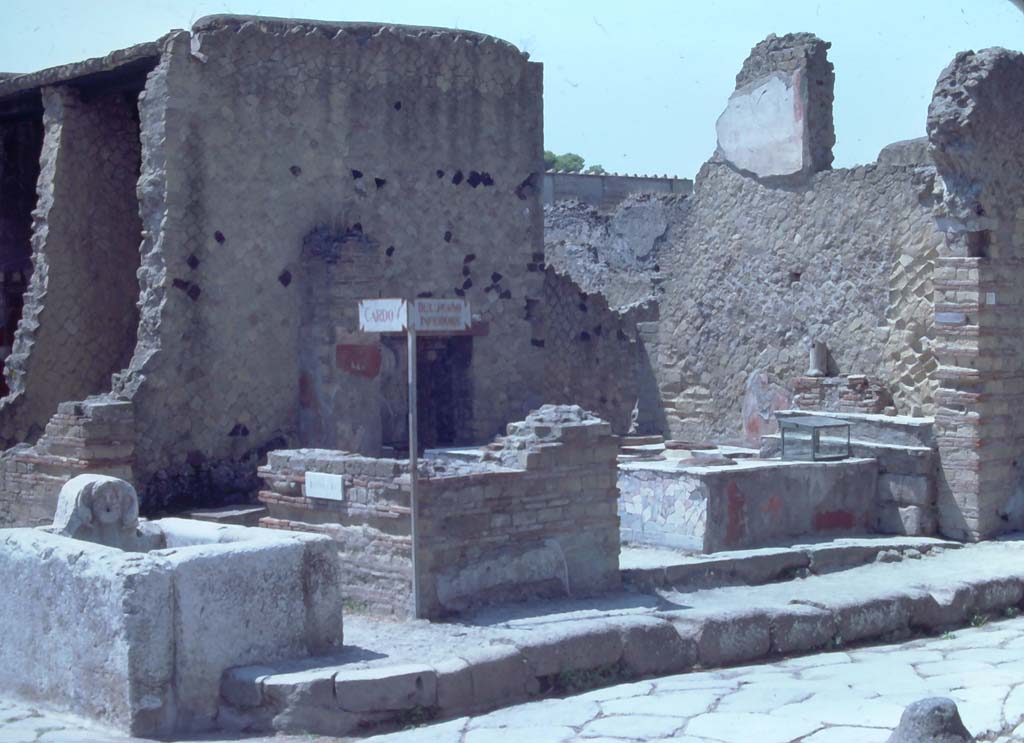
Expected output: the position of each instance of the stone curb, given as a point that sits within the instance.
(594, 652)
(770, 565)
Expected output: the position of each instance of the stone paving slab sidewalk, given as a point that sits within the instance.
(400, 672)
(851, 696)
(854, 696)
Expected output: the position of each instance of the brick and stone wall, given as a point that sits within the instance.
(974, 131)
(79, 319)
(853, 393)
(292, 168)
(370, 526)
(534, 514)
(94, 436)
(592, 355)
(748, 271)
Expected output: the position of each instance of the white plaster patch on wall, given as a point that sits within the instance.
(762, 128)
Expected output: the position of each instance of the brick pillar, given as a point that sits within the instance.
(974, 132)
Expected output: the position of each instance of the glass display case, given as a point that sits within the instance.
(811, 438)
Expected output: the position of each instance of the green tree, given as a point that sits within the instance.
(596, 170)
(550, 158)
(570, 162)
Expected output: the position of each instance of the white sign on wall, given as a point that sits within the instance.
(325, 486)
(382, 315)
(441, 315)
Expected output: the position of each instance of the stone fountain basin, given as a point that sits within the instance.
(139, 639)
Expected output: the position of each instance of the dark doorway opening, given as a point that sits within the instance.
(21, 141)
(444, 390)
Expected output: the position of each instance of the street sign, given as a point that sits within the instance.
(382, 315)
(441, 315)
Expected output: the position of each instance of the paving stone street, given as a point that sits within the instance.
(853, 696)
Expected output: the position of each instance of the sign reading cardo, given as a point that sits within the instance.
(382, 315)
(441, 315)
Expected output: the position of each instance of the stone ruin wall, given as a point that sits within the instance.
(748, 270)
(757, 272)
(593, 356)
(974, 130)
(258, 134)
(273, 196)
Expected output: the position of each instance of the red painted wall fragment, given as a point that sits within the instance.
(825, 520)
(362, 360)
(306, 396)
(735, 523)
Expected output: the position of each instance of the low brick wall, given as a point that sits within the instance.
(534, 514)
(746, 505)
(370, 527)
(95, 435)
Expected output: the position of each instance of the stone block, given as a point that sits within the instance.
(898, 460)
(995, 594)
(730, 636)
(108, 649)
(302, 720)
(313, 688)
(500, 674)
(860, 619)
(916, 521)
(572, 646)
(255, 614)
(454, 687)
(654, 647)
(906, 490)
(386, 688)
(798, 628)
(242, 686)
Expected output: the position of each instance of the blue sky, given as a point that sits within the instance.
(633, 86)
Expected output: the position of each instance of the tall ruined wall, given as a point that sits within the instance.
(80, 316)
(754, 272)
(266, 143)
(974, 128)
(772, 250)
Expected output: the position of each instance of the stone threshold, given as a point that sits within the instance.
(505, 656)
(649, 568)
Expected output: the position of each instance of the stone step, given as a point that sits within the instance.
(899, 430)
(648, 569)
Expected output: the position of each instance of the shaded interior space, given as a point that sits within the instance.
(21, 141)
(444, 393)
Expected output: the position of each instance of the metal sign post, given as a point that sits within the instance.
(414, 450)
(438, 316)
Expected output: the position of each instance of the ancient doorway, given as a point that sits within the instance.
(444, 390)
